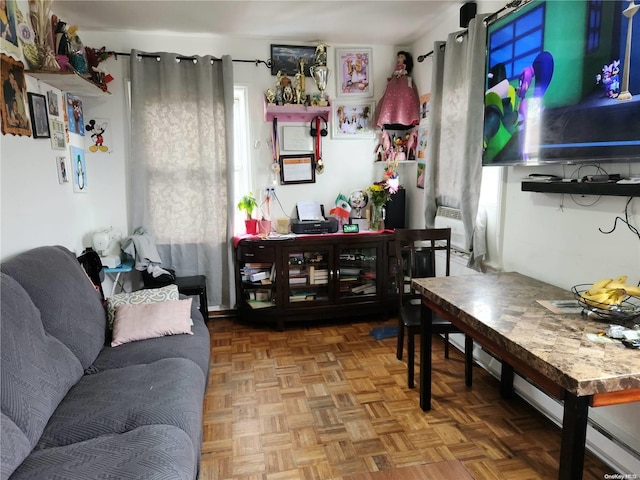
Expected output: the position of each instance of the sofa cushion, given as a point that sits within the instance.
(168, 391)
(14, 447)
(152, 295)
(70, 307)
(37, 369)
(157, 452)
(151, 320)
(194, 347)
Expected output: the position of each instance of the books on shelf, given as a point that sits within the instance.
(302, 297)
(297, 280)
(259, 304)
(255, 277)
(258, 272)
(364, 289)
(318, 276)
(350, 271)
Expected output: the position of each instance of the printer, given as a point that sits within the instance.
(311, 220)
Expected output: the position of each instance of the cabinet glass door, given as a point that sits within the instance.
(357, 272)
(307, 272)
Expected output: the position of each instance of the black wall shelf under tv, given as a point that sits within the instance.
(584, 188)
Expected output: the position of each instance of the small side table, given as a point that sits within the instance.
(195, 285)
(115, 273)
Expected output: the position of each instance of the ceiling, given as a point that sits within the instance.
(390, 22)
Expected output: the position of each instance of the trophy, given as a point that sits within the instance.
(320, 72)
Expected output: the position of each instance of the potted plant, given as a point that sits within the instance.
(247, 204)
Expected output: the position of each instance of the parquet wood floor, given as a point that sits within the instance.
(330, 401)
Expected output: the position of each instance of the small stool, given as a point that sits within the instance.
(195, 285)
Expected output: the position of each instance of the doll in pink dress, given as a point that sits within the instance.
(399, 107)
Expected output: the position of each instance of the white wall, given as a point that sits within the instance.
(67, 218)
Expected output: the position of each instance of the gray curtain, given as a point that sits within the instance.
(181, 163)
(453, 170)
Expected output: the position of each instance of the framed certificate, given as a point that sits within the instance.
(297, 168)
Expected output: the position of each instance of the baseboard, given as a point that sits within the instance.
(614, 450)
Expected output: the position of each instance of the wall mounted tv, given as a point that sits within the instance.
(563, 84)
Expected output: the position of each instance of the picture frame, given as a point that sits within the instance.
(75, 114)
(296, 139)
(13, 97)
(9, 42)
(61, 166)
(353, 119)
(354, 68)
(299, 168)
(79, 166)
(420, 174)
(39, 117)
(286, 58)
(52, 102)
(58, 135)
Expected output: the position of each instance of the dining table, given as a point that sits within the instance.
(563, 354)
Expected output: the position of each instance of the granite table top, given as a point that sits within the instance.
(503, 307)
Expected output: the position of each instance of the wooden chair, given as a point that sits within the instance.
(416, 253)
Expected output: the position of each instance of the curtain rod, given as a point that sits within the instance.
(486, 21)
(257, 62)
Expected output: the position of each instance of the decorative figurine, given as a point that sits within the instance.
(271, 95)
(320, 58)
(399, 107)
(301, 72)
(287, 94)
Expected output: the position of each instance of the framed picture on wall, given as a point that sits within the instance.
(79, 169)
(39, 117)
(300, 168)
(9, 39)
(353, 72)
(58, 136)
(75, 114)
(13, 97)
(61, 166)
(353, 119)
(286, 59)
(52, 102)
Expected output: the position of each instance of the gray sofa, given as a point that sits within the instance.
(73, 408)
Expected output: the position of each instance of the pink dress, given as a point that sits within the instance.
(400, 104)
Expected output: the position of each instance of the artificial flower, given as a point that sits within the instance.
(379, 193)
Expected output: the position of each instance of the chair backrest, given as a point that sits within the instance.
(416, 254)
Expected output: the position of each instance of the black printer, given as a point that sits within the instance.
(324, 225)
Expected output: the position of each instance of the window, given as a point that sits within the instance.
(241, 157)
(517, 44)
(593, 28)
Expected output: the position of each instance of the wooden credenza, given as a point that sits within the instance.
(313, 277)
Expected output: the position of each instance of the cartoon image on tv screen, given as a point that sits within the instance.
(559, 91)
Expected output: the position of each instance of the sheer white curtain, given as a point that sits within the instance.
(454, 159)
(181, 163)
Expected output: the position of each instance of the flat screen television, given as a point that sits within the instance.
(563, 84)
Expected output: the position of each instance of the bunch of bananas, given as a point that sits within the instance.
(609, 292)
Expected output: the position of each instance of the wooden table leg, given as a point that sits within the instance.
(574, 436)
(425, 357)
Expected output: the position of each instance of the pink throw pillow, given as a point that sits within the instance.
(151, 320)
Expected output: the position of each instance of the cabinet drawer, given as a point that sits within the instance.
(257, 253)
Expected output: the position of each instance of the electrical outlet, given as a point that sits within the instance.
(269, 191)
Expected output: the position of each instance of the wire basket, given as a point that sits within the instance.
(626, 311)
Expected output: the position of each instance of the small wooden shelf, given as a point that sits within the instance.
(69, 81)
(295, 113)
(584, 188)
